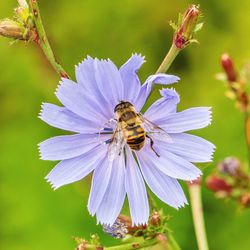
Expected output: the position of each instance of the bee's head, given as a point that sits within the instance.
(122, 105)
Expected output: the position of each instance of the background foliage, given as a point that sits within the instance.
(33, 217)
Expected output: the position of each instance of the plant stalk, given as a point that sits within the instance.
(169, 58)
(247, 134)
(127, 246)
(198, 218)
(42, 39)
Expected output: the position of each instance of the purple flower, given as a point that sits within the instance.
(98, 109)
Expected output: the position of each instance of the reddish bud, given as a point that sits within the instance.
(228, 66)
(184, 32)
(218, 184)
(155, 219)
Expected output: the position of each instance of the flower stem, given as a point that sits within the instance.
(127, 246)
(169, 58)
(173, 245)
(247, 134)
(42, 39)
(135, 245)
(198, 218)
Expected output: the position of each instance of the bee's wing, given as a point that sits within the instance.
(116, 144)
(155, 131)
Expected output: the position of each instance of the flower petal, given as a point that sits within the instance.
(109, 81)
(147, 87)
(113, 199)
(129, 77)
(189, 119)
(169, 163)
(136, 191)
(166, 188)
(164, 106)
(99, 185)
(73, 97)
(61, 117)
(86, 77)
(190, 147)
(69, 146)
(71, 170)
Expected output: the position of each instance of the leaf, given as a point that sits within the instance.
(198, 27)
(173, 25)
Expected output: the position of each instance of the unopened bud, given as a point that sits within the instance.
(228, 66)
(229, 165)
(185, 30)
(218, 184)
(155, 219)
(12, 29)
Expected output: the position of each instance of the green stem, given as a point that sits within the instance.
(42, 39)
(247, 133)
(134, 245)
(127, 246)
(173, 245)
(169, 58)
(198, 218)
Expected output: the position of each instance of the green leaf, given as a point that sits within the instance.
(198, 27)
(173, 25)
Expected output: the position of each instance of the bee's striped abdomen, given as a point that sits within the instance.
(135, 137)
(131, 125)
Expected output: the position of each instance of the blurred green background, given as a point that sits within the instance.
(33, 217)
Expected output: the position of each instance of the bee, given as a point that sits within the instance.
(132, 129)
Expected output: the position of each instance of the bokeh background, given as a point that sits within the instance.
(33, 217)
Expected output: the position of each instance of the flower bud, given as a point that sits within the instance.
(12, 29)
(184, 31)
(229, 165)
(228, 66)
(218, 184)
(155, 219)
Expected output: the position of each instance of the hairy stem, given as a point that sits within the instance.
(42, 39)
(247, 133)
(198, 218)
(169, 58)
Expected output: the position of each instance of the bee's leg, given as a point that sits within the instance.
(152, 144)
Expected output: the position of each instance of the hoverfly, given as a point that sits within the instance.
(133, 129)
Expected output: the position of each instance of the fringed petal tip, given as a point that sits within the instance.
(212, 152)
(40, 114)
(39, 151)
(209, 110)
(60, 85)
(48, 180)
(139, 57)
(180, 205)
